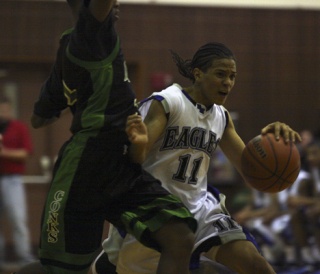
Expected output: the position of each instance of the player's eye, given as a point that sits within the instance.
(220, 74)
(233, 77)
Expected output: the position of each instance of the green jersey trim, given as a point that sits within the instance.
(66, 32)
(91, 65)
(101, 74)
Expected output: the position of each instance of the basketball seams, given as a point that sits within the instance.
(279, 163)
(251, 150)
(282, 181)
(295, 170)
(279, 180)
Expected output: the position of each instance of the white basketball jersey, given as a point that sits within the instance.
(180, 159)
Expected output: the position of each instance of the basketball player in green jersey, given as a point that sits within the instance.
(95, 178)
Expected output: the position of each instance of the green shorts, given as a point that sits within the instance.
(95, 181)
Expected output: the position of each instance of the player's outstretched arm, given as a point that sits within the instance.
(232, 145)
(39, 122)
(100, 9)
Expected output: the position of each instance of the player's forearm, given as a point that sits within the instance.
(101, 8)
(39, 122)
(18, 155)
(295, 201)
(138, 153)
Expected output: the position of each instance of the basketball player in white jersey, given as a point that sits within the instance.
(185, 125)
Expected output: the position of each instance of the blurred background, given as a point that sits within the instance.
(276, 43)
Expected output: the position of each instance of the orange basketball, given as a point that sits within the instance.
(269, 165)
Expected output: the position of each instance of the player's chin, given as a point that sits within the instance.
(220, 102)
(116, 14)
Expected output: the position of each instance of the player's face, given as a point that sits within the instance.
(5, 112)
(116, 11)
(217, 82)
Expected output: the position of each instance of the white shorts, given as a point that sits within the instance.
(215, 228)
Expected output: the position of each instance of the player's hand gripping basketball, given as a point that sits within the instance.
(136, 130)
(282, 129)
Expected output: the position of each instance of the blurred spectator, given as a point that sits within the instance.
(305, 208)
(16, 146)
(307, 137)
(283, 224)
(289, 220)
(257, 215)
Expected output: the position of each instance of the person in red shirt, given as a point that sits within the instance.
(16, 145)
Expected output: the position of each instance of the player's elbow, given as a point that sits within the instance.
(37, 122)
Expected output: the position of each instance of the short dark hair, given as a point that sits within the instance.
(75, 3)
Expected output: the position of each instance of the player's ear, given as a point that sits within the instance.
(197, 73)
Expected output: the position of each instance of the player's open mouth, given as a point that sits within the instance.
(223, 93)
(116, 15)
